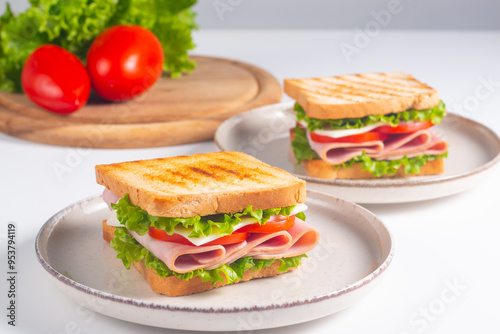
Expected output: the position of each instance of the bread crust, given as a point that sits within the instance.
(354, 96)
(172, 286)
(323, 170)
(202, 184)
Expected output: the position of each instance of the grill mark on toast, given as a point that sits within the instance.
(248, 172)
(180, 180)
(363, 92)
(377, 88)
(394, 84)
(225, 170)
(380, 88)
(411, 83)
(335, 91)
(369, 87)
(345, 92)
(203, 172)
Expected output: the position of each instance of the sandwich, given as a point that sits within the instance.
(366, 126)
(193, 223)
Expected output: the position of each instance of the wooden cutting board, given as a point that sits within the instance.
(175, 111)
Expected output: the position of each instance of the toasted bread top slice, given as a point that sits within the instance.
(359, 95)
(202, 184)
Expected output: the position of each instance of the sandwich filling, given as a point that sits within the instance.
(380, 143)
(210, 245)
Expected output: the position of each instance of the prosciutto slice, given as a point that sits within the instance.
(297, 240)
(397, 146)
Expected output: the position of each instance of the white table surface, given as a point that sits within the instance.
(453, 240)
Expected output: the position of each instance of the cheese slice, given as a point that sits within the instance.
(344, 133)
(113, 220)
(185, 232)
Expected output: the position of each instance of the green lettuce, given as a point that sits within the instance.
(435, 115)
(301, 147)
(303, 151)
(129, 250)
(138, 220)
(389, 167)
(74, 24)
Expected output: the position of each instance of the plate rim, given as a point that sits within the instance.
(51, 223)
(377, 183)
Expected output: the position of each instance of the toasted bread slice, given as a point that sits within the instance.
(172, 286)
(202, 184)
(323, 170)
(359, 95)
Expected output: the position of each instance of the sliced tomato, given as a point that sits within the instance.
(405, 127)
(162, 235)
(229, 239)
(271, 226)
(179, 239)
(359, 138)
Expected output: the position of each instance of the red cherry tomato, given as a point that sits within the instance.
(124, 61)
(179, 239)
(271, 226)
(55, 79)
(405, 128)
(359, 138)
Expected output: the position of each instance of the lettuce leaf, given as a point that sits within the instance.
(126, 247)
(129, 250)
(18, 38)
(74, 24)
(301, 216)
(303, 151)
(435, 115)
(138, 220)
(390, 167)
(290, 262)
(300, 145)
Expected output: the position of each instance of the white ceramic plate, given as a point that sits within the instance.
(354, 251)
(264, 133)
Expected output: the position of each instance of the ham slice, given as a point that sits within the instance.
(338, 153)
(438, 147)
(411, 144)
(181, 258)
(297, 240)
(304, 238)
(270, 243)
(109, 197)
(397, 146)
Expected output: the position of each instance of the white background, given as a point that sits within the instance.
(336, 14)
(453, 239)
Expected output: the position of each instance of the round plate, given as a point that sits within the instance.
(354, 250)
(264, 133)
